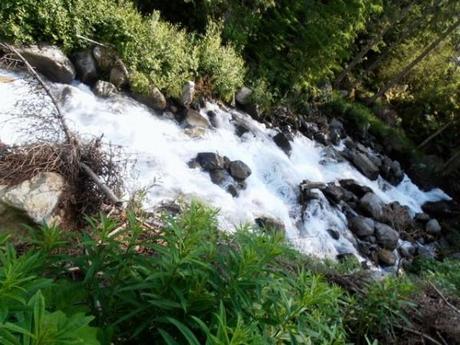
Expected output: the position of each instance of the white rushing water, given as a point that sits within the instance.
(162, 150)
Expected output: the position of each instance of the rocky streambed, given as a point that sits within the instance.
(330, 195)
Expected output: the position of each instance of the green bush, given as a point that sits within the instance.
(155, 51)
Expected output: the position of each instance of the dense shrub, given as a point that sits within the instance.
(155, 51)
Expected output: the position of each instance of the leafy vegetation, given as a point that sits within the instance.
(155, 51)
(189, 284)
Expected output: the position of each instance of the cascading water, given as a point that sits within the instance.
(162, 150)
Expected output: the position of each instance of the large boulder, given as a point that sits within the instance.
(355, 187)
(335, 194)
(209, 161)
(386, 257)
(441, 209)
(104, 89)
(86, 67)
(362, 226)
(372, 206)
(391, 171)
(433, 227)
(119, 75)
(362, 162)
(194, 118)
(153, 99)
(386, 236)
(283, 143)
(37, 197)
(50, 61)
(105, 58)
(239, 170)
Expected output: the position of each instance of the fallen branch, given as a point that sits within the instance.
(444, 298)
(92, 41)
(414, 331)
(71, 140)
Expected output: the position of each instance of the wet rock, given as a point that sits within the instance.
(337, 125)
(283, 143)
(38, 197)
(441, 209)
(334, 193)
(386, 236)
(105, 58)
(193, 118)
(362, 226)
(367, 248)
(212, 116)
(355, 187)
(407, 249)
(153, 99)
(334, 136)
(331, 155)
(362, 163)
(270, 224)
(422, 218)
(188, 93)
(372, 206)
(104, 89)
(333, 233)
(241, 129)
(425, 252)
(218, 176)
(232, 190)
(391, 171)
(322, 138)
(86, 67)
(239, 170)
(243, 96)
(433, 227)
(209, 161)
(386, 257)
(50, 61)
(307, 185)
(119, 75)
(195, 132)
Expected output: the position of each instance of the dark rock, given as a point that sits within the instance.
(433, 227)
(105, 58)
(240, 130)
(386, 257)
(212, 116)
(372, 206)
(210, 161)
(321, 138)
(407, 250)
(362, 226)
(232, 190)
(333, 233)
(239, 170)
(422, 218)
(283, 143)
(307, 185)
(193, 118)
(366, 248)
(270, 224)
(362, 163)
(355, 187)
(425, 252)
(391, 171)
(104, 89)
(218, 176)
(370, 239)
(242, 184)
(192, 164)
(334, 136)
(153, 99)
(334, 193)
(441, 209)
(49, 61)
(86, 67)
(386, 236)
(119, 75)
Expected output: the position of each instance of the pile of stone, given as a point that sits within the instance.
(230, 175)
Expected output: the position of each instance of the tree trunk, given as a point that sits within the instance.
(370, 43)
(428, 50)
(434, 135)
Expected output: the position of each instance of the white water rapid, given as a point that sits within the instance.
(162, 150)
